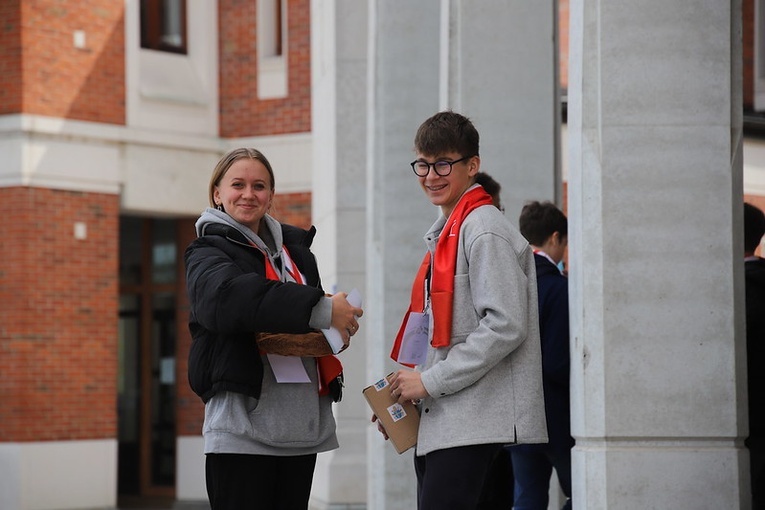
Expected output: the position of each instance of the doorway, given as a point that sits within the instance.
(148, 271)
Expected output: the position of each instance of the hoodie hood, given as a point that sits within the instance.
(272, 247)
(212, 216)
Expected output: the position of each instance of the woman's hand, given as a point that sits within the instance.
(345, 316)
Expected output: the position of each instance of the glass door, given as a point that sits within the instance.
(147, 353)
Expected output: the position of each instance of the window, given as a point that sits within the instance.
(272, 49)
(163, 25)
(270, 26)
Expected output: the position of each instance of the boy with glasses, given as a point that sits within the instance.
(478, 377)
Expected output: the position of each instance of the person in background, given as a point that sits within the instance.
(492, 187)
(498, 487)
(754, 271)
(546, 228)
(478, 376)
(246, 274)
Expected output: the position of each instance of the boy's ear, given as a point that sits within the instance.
(474, 166)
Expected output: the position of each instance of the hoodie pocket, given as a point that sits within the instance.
(290, 414)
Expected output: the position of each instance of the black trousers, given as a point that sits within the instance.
(453, 478)
(262, 482)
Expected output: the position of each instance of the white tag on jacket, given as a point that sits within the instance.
(288, 369)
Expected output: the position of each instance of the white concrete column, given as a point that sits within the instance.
(404, 46)
(500, 69)
(339, 74)
(656, 282)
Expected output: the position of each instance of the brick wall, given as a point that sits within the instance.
(10, 56)
(747, 18)
(56, 78)
(293, 208)
(58, 315)
(563, 22)
(241, 113)
(189, 408)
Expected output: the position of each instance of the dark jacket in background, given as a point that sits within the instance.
(554, 332)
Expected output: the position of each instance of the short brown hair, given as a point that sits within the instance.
(540, 220)
(445, 132)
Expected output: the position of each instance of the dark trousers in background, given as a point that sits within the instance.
(244, 482)
(453, 478)
(532, 469)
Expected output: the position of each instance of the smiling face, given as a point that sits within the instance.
(445, 191)
(245, 191)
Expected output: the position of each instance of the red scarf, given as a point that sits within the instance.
(442, 279)
(329, 367)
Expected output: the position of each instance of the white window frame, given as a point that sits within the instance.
(272, 67)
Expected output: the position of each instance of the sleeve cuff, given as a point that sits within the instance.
(321, 314)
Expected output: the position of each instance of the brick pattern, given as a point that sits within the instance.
(747, 18)
(293, 209)
(189, 408)
(58, 315)
(241, 113)
(563, 22)
(56, 78)
(10, 56)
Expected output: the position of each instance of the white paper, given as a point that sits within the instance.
(414, 344)
(288, 369)
(332, 335)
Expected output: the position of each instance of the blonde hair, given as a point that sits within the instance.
(228, 159)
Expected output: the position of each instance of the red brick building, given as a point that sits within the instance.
(102, 110)
(112, 116)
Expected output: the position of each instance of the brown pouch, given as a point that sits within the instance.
(303, 344)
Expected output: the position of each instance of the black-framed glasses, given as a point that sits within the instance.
(441, 167)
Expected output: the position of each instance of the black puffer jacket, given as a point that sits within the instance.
(231, 299)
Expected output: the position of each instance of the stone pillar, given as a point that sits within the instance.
(404, 49)
(655, 193)
(501, 70)
(339, 78)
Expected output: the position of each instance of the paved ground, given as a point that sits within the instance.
(160, 504)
